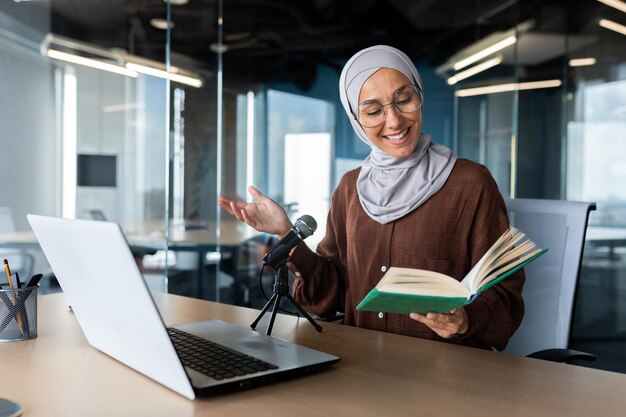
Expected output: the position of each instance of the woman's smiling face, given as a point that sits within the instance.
(399, 132)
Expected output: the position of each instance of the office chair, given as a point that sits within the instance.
(247, 261)
(138, 251)
(21, 261)
(97, 214)
(551, 282)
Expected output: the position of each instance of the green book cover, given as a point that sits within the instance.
(408, 303)
(389, 302)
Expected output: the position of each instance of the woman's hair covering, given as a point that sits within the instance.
(391, 187)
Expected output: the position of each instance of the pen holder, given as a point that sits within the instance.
(18, 314)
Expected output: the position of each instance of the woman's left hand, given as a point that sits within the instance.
(446, 325)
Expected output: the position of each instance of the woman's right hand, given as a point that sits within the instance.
(265, 215)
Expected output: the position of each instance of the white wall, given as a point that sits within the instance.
(27, 127)
(125, 117)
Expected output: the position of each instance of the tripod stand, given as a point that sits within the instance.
(281, 289)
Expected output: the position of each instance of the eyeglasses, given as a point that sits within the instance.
(406, 99)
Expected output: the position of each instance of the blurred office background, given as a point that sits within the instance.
(144, 111)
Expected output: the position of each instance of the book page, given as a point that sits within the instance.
(500, 248)
(470, 278)
(501, 257)
(429, 289)
(421, 282)
(496, 273)
(395, 274)
(511, 254)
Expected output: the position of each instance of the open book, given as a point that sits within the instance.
(408, 290)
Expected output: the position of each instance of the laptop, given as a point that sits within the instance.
(115, 310)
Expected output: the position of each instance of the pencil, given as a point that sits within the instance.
(19, 313)
(8, 272)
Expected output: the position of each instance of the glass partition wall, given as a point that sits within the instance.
(594, 128)
(84, 132)
(144, 112)
(30, 170)
(545, 115)
(275, 136)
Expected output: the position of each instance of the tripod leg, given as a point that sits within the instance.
(274, 311)
(269, 303)
(304, 313)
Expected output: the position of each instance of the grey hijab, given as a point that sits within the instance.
(390, 187)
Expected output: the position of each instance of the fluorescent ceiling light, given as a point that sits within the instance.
(616, 4)
(93, 63)
(161, 24)
(474, 70)
(111, 108)
(502, 88)
(498, 46)
(155, 72)
(176, 2)
(250, 142)
(129, 65)
(609, 24)
(69, 148)
(582, 62)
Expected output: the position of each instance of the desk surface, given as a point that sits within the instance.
(151, 234)
(613, 236)
(59, 374)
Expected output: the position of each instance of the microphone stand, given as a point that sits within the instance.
(281, 289)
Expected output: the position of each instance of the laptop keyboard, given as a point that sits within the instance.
(212, 359)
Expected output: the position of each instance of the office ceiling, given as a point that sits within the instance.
(277, 40)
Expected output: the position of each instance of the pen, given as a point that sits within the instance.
(34, 280)
(19, 313)
(18, 306)
(21, 303)
(18, 283)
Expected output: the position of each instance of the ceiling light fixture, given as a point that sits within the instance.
(485, 52)
(176, 2)
(111, 108)
(127, 64)
(582, 62)
(616, 4)
(616, 27)
(173, 75)
(503, 88)
(474, 70)
(161, 24)
(88, 62)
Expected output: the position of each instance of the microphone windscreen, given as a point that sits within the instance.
(306, 225)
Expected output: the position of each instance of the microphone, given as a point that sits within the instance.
(302, 228)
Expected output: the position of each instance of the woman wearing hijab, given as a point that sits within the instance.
(411, 204)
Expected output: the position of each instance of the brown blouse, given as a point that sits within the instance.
(448, 234)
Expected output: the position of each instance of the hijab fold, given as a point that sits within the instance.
(389, 187)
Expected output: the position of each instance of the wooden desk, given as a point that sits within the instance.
(380, 374)
(611, 237)
(150, 235)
